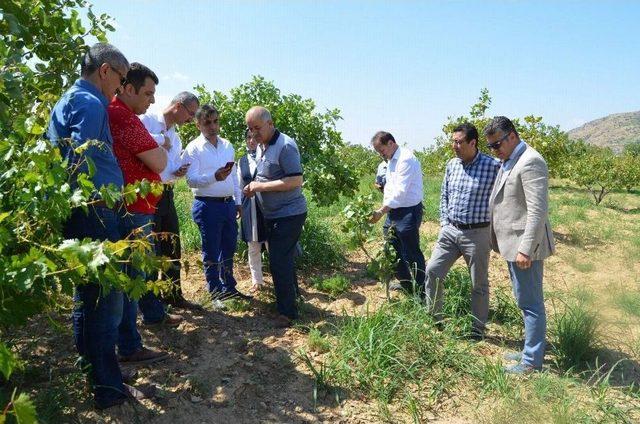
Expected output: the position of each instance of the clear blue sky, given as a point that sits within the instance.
(400, 66)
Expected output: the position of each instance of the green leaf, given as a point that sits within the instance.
(24, 409)
(8, 361)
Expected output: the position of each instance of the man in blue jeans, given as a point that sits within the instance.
(140, 158)
(278, 188)
(402, 201)
(81, 115)
(521, 232)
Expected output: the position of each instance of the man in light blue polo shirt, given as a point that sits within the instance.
(278, 187)
(81, 115)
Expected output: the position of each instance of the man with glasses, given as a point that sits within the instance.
(162, 127)
(213, 179)
(81, 115)
(402, 200)
(521, 232)
(464, 225)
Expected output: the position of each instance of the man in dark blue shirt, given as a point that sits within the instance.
(464, 222)
(79, 116)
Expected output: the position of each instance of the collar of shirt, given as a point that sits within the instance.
(273, 140)
(88, 86)
(516, 152)
(475, 160)
(116, 102)
(396, 155)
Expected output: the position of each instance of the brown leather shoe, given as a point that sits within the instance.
(282, 321)
(143, 356)
(169, 320)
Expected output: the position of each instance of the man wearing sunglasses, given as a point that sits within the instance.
(162, 127)
(464, 225)
(521, 232)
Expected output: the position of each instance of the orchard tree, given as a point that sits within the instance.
(326, 176)
(594, 168)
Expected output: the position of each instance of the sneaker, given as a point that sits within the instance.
(143, 356)
(129, 375)
(140, 393)
(521, 369)
(169, 320)
(513, 356)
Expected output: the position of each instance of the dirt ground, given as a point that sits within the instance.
(235, 367)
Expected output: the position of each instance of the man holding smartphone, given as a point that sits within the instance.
(214, 181)
(162, 127)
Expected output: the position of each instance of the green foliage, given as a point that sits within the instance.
(315, 133)
(504, 310)
(356, 224)
(360, 160)
(628, 302)
(594, 168)
(8, 361)
(21, 408)
(320, 247)
(318, 342)
(393, 353)
(574, 333)
(334, 286)
(632, 148)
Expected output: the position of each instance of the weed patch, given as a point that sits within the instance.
(574, 336)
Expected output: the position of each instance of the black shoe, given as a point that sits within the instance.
(234, 295)
(183, 303)
(475, 336)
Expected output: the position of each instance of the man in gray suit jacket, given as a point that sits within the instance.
(521, 232)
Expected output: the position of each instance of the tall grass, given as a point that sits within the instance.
(574, 336)
(628, 302)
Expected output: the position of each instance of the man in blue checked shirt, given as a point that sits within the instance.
(464, 221)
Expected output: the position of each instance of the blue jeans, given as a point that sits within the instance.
(96, 315)
(406, 243)
(151, 307)
(527, 289)
(282, 238)
(219, 232)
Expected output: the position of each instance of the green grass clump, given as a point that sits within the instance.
(392, 354)
(574, 333)
(334, 286)
(628, 302)
(503, 309)
(317, 341)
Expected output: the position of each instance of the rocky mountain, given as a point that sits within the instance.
(611, 131)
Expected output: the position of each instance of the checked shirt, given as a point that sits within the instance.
(464, 197)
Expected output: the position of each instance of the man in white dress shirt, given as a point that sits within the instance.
(162, 127)
(213, 179)
(402, 202)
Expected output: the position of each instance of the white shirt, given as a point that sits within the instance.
(155, 124)
(206, 159)
(404, 180)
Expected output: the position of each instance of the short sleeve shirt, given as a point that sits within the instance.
(280, 159)
(130, 138)
(81, 115)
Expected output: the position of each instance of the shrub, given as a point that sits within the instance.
(320, 246)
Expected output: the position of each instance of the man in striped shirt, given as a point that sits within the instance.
(464, 222)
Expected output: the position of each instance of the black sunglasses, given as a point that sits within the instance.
(123, 79)
(496, 144)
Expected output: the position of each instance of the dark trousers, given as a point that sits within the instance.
(406, 242)
(97, 314)
(282, 236)
(168, 242)
(137, 225)
(219, 232)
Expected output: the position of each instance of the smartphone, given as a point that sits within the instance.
(229, 165)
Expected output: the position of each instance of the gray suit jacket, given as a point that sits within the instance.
(519, 206)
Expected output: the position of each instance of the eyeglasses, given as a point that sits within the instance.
(191, 113)
(123, 79)
(458, 142)
(496, 144)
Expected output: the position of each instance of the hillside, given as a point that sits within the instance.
(611, 131)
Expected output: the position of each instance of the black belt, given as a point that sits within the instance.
(461, 226)
(215, 199)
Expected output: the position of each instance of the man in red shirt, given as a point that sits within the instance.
(140, 158)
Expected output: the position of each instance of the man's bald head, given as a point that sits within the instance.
(260, 124)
